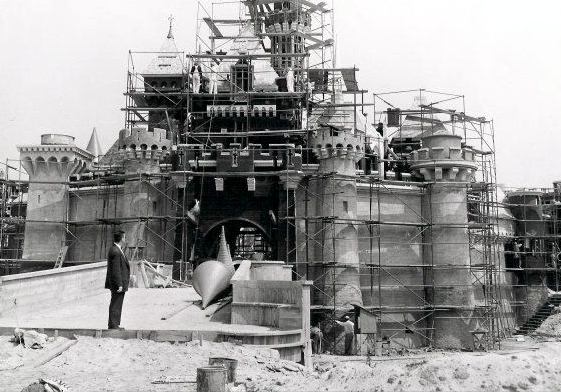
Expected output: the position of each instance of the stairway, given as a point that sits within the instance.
(541, 314)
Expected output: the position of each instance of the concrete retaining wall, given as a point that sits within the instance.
(35, 290)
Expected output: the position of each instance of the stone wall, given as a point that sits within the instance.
(33, 291)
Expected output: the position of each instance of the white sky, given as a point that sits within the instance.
(63, 65)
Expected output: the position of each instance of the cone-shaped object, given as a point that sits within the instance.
(224, 251)
(210, 279)
(94, 146)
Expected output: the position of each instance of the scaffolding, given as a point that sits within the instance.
(247, 117)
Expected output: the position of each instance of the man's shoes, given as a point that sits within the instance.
(117, 329)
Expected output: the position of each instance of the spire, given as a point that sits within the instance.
(224, 251)
(170, 33)
(94, 146)
(169, 60)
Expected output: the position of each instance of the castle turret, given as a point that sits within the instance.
(447, 167)
(143, 150)
(49, 165)
(339, 149)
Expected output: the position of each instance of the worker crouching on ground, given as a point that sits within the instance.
(317, 339)
(117, 280)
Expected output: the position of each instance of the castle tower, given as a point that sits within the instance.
(339, 149)
(447, 167)
(143, 150)
(49, 165)
(164, 79)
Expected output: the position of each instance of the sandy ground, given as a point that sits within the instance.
(119, 365)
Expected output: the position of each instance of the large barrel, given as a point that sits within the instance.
(229, 364)
(211, 379)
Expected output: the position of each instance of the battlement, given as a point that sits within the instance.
(144, 139)
(234, 158)
(342, 144)
(442, 158)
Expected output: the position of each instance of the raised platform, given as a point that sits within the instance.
(143, 311)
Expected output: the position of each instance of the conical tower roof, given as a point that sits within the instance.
(168, 61)
(224, 252)
(94, 146)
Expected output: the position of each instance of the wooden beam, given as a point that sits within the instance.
(212, 27)
(320, 45)
(139, 115)
(319, 6)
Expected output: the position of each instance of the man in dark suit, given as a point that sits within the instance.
(118, 277)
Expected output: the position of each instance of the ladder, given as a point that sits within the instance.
(61, 256)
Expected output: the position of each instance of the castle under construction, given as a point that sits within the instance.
(387, 201)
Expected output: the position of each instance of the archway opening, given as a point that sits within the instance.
(247, 240)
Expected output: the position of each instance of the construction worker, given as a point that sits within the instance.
(290, 80)
(196, 78)
(349, 328)
(317, 339)
(213, 78)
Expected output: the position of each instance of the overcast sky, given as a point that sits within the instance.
(63, 65)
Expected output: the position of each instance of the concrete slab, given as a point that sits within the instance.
(143, 309)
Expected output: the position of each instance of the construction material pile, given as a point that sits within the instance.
(552, 325)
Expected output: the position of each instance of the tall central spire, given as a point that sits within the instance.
(170, 33)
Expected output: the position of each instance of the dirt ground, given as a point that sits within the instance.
(132, 365)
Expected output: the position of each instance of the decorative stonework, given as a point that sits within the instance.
(343, 144)
(443, 159)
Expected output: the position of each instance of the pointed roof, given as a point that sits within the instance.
(224, 252)
(169, 61)
(94, 146)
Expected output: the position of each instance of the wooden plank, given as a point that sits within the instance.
(306, 322)
(52, 353)
(320, 45)
(175, 312)
(213, 27)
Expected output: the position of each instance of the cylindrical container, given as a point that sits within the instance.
(211, 379)
(230, 364)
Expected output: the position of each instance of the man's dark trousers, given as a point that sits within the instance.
(115, 308)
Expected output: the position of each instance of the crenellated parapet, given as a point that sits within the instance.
(442, 158)
(144, 139)
(56, 158)
(142, 150)
(344, 145)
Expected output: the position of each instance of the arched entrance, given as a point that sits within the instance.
(247, 240)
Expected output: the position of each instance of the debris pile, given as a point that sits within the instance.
(45, 385)
(30, 338)
(552, 325)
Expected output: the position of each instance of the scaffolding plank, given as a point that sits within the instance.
(212, 26)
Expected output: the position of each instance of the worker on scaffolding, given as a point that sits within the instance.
(290, 80)
(213, 78)
(196, 77)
